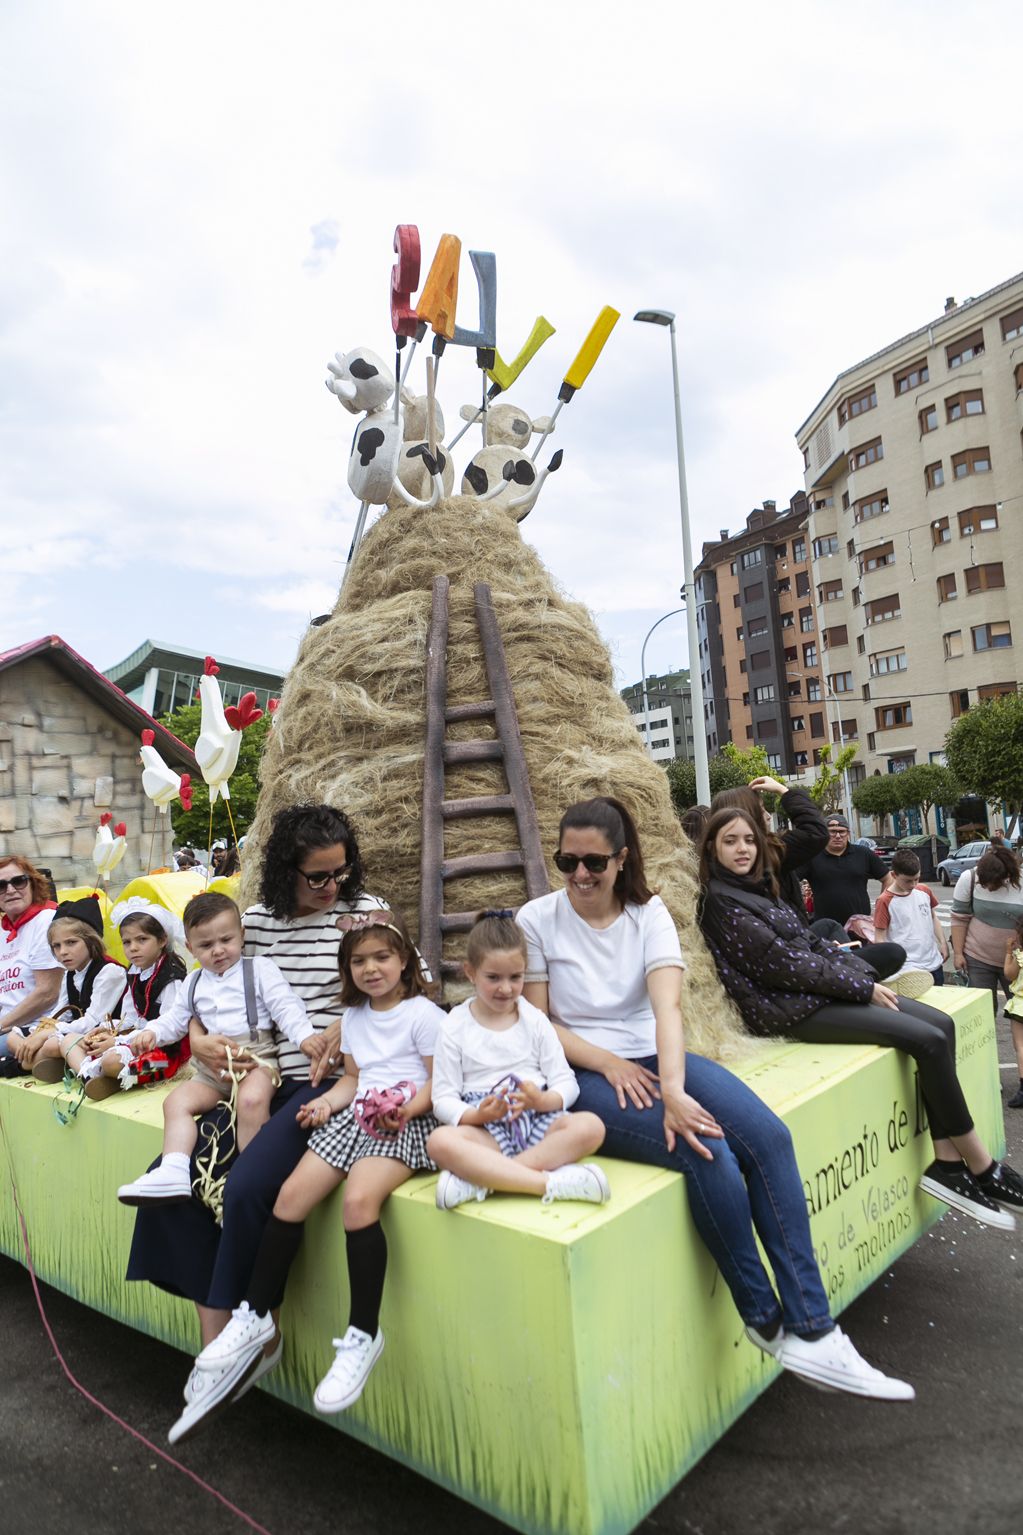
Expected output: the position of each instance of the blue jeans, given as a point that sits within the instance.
(752, 1183)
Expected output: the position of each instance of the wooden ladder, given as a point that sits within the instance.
(440, 754)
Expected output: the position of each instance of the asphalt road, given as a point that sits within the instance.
(948, 1317)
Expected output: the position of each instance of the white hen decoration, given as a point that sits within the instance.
(109, 847)
(216, 750)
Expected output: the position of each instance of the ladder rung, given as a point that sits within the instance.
(457, 921)
(472, 751)
(482, 804)
(452, 967)
(469, 711)
(480, 863)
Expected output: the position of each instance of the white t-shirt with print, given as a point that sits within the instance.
(596, 977)
(389, 1047)
(27, 951)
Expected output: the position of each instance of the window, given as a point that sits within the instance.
(870, 506)
(877, 558)
(745, 700)
(969, 403)
(841, 682)
(881, 609)
(838, 635)
(984, 578)
(806, 620)
(934, 475)
(802, 584)
(855, 404)
(764, 695)
(742, 664)
(928, 419)
(817, 726)
(797, 722)
(1019, 377)
(760, 660)
(784, 585)
(992, 636)
(979, 519)
(788, 620)
(960, 701)
(1012, 325)
(866, 691)
(799, 550)
(848, 730)
(738, 636)
(940, 532)
(766, 729)
(736, 599)
(780, 551)
(809, 655)
(825, 546)
(973, 461)
(800, 759)
(888, 661)
(871, 741)
(749, 732)
(829, 591)
(965, 348)
(912, 377)
(752, 557)
(774, 761)
(732, 568)
(996, 690)
(845, 500)
(813, 690)
(894, 716)
(757, 629)
(754, 593)
(953, 644)
(947, 588)
(795, 689)
(867, 453)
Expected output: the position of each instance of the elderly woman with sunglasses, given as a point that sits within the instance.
(29, 975)
(311, 877)
(604, 962)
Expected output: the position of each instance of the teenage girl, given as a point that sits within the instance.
(389, 1030)
(155, 976)
(501, 1085)
(90, 990)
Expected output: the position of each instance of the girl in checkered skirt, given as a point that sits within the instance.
(370, 1131)
(502, 1085)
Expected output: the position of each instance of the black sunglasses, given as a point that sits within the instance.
(17, 883)
(318, 881)
(594, 863)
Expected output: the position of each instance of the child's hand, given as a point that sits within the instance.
(394, 1121)
(143, 1041)
(315, 1113)
(491, 1109)
(526, 1096)
(98, 1040)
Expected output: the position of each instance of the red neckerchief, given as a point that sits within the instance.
(11, 928)
(143, 1011)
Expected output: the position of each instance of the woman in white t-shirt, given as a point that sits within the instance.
(604, 962)
(29, 975)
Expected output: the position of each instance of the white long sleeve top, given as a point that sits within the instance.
(130, 1018)
(106, 989)
(220, 1006)
(469, 1057)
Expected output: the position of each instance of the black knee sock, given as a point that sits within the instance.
(367, 1265)
(281, 1241)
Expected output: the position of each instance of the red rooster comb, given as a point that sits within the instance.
(106, 818)
(274, 705)
(120, 829)
(185, 791)
(245, 714)
(148, 737)
(211, 667)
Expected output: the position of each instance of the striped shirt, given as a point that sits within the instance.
(305, 949)
(984, 918)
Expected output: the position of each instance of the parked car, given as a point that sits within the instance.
(967, 857)
(885, 854)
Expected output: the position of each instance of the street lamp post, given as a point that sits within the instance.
(666, 317)
(642, 667)
(846, 796)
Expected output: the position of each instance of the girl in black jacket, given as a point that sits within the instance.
(785, 980)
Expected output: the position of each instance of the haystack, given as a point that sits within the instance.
(350, 727)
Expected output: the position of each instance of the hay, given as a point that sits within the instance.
(350, 727)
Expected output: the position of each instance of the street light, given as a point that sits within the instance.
(841, 745)
(642, 667)
(666, 317)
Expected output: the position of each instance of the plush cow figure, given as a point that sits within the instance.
(413, 470)
(502, 472)
(362, 381)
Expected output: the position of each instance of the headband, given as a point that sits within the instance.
(362, 921)
(138, 906)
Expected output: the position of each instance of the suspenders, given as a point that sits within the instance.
(249, 984)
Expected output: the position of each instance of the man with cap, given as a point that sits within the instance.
(838, 876)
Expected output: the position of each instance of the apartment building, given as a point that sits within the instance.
(914, 481)
(666, 725)
(759, 640)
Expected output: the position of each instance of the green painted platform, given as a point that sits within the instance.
(561, 1368)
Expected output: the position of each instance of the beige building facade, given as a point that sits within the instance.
(914, 481)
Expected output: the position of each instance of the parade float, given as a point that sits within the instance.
(561, 1367)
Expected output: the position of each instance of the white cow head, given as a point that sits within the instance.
(361, 380)
(508, 425)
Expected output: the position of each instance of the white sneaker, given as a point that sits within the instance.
(245, 1332)
(770, 1346)
(212, 1390)
(267, 1362)
(161, 1186)
(579, 1180)
(453, 1191)
(833, 1363)
(343, 1383)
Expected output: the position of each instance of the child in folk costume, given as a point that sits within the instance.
(502, 1085)
(370, 1131)
(243, 999)
(156, 973)
(90, 991)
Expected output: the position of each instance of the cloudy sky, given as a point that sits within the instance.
(198, 207)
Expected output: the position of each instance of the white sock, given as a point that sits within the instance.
(175, 1161)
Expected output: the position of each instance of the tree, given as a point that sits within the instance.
(926, 785)
(984, 749)
(192, 827)
(826, 789)
(733, 769)
(879, 796)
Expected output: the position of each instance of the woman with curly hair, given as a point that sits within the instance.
(311, 876)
